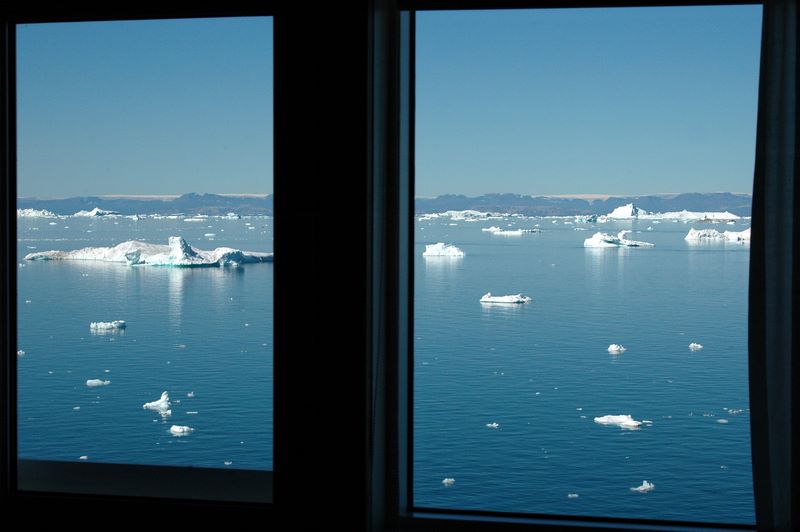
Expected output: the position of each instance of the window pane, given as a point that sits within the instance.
(598, 162)
(145, 237)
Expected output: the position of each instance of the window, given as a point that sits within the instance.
(144, 309)
(571, 350)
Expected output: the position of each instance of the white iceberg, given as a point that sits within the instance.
(35, 213)
(644, 488)
(107, 325)
(97, 211)
(492, 229)
(513, 299)
(688, 216)
(624, 421)
(20, 353)
(178, 253)
(160, 405)
(606, 240)
(616, 349)
(737, 236)
(440, 249)
(493, 425)
(626, 212)
(572, 495)
(695, 347)
(723, 421)
(712, 235)
(448, 482)
(93, 383)
(180, 430)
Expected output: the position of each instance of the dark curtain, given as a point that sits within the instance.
(774, 275)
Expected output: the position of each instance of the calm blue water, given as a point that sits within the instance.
(207, 331)
(542, 372)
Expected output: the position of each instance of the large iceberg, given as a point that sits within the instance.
(97, 211)
(626, 212)
(177, 253)
(606, 240)
(624, 421)
(35, 213)
(514, 299)
(685, 215)
(440, 249)
(712, 235)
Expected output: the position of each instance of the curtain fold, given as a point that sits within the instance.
(774, 276)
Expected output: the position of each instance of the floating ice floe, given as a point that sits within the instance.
(513, 299)
(190, 394)
(624, 421)
(606, 240)
(616, 349)
(493, 425)
(695, 347)
(448, 482)
(93, 383)
(97, 211)
(107, 325)
(440, 249)
(159, 405)
(572, 495)
(509, 232)
(645, 487)
(180, 430)
(178, 253)
(712, 235)
(76, 408)
(84, 457)
(35, 213)
(723, 421)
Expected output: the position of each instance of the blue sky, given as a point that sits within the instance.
(605, 101)
(145, 107)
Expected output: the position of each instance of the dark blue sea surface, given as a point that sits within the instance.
(205, 332)
(542, 372)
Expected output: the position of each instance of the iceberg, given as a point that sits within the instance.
(92, 383)
(572, 495)
(509, 232)
(180, 430)
(712, 235)
(606, 240)
(160, 405)
(97, 211)
(20, 353)
(626, 212)
(493, 425)
(178, 253)
(695, 347)
(686, 216)
(440, 249)
(624, 421)
(448, 482)
(514, 299)
(107, 325)
(616, 349)
(35, 213)
(644, 488)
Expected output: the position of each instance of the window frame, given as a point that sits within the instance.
(394, 348)
(49, 479)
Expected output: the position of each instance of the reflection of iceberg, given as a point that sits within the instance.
(177, 253)
(514, 299)
(645, 487)
(160, 405)
(107, 325)
(605, 240)
(93, 383)
(180, 430)
(616, 349)
(440, 249)
(96, 212)
(624, 421)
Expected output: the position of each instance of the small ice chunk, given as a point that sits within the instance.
(84, 457)
(160, 405)
(107, 325)
(180, 430)
(723, 421)
(493, 425)
(448, 482)
(572, 495)
(210, 234)
(440, 249)
(92, 383)
(227, 462)
(190, 394)
(695, 347)
(514, 299)
(645, 487)
(76, 408)
(192, 412)
(616, 349)
(20, 353)
(624, 421)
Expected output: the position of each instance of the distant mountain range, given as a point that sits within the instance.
(216, 204)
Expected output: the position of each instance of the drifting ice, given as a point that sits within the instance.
(96, 212)
(107, 325)
(605, 240)
(440, 249)
(493, 425)
(695, 347)
(624, 421)
(615, 349)
(516, 299)
(177, 253)
(645, 487)
(161, 405)
(180, 430)
(91, 383)
(696, 235)
(35, 213)
(448, 482)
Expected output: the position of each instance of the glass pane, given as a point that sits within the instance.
(583, 182)
(145, 237)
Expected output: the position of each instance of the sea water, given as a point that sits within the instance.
(542, 372)
(204, 335)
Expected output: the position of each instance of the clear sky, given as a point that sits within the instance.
(607, 101)
(145, 107)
